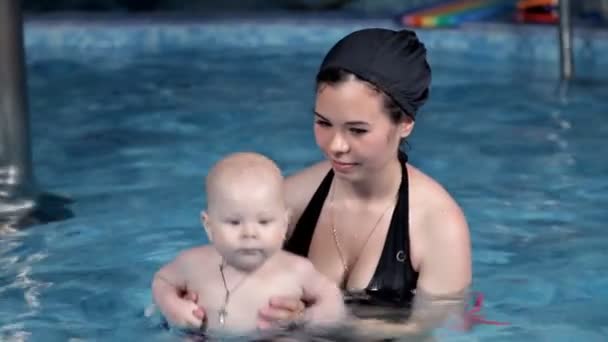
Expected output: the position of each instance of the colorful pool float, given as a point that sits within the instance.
(452, 13)
(537, 11)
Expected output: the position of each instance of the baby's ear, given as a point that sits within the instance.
(205, 224)
(288, 215)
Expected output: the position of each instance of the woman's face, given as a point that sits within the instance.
(354, 131)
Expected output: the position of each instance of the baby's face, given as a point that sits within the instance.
(248, 223)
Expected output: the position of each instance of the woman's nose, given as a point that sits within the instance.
(338, 144)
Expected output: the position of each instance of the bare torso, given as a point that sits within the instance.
(277, 277)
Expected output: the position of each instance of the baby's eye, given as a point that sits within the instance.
(234, 222)
(264, 222)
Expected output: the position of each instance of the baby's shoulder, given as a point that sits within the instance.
(293, 263)
(195, 255)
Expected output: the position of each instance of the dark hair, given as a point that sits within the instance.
(336, 76)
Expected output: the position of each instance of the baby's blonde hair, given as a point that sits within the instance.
(242, 167)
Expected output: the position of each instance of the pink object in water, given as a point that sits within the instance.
(472, 317)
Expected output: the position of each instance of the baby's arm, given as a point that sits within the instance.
(326, 301)
(167, 286)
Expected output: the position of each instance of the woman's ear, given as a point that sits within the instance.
(405, 127)
(205, 224)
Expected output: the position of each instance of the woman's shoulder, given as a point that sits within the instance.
(301, 186)
(310, 174)
(433, 204)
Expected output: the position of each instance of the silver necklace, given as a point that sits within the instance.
(223, 313)
(335, 233)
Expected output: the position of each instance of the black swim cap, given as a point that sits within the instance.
(394, 61)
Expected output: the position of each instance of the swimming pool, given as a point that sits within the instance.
(128, 116)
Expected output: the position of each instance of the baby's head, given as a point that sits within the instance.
(246, 216)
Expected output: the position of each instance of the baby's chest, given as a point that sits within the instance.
(258, 294)
(244, 299)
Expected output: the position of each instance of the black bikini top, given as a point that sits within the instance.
(394, 281)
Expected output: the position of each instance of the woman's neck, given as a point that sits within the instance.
(382, 185)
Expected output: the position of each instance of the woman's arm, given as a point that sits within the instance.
(445, 271)
(428, 312)
(169, 290)
(441, 237)
(445, 264)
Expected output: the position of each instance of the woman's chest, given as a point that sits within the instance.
(347, 247)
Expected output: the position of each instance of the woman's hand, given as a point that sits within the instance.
(183, 312)
(198, 311)
(186, 314)
(281, 311)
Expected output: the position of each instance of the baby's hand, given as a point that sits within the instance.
(184, 312)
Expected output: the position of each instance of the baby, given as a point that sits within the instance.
(244, 266)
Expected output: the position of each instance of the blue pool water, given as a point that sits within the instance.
(128, 129)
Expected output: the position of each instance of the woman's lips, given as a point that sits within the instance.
(340, 166)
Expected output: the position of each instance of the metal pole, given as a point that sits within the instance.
(21, 202)
(565, 41)
(16, 177)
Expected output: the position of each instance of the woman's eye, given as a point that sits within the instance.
(358, 130)
(323, 123)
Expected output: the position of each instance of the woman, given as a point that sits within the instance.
(365, 217)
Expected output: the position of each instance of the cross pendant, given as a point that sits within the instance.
(222, 316)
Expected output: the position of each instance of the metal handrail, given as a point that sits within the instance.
(16, 177)
(565, 41)
(21, 201)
